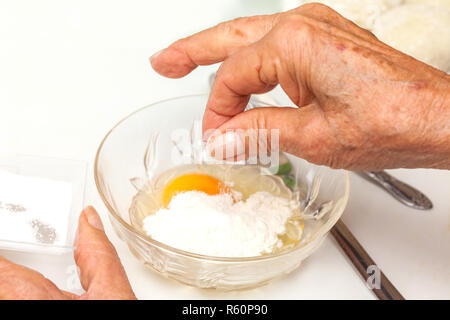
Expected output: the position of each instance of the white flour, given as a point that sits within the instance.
(217, 226)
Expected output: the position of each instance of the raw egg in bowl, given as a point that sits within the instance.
(210, 225)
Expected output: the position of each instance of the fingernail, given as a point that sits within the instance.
(226, 146)
(156, 54)
(207, 134)
(93, 218)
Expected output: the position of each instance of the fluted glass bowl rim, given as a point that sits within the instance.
(142, 236)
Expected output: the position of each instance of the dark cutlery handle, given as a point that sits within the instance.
(361, 260)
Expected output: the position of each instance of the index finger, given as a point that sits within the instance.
(211, 45)
(237, 78)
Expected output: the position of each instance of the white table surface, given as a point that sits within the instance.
(69, 70)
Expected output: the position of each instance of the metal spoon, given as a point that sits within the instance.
(401, 191)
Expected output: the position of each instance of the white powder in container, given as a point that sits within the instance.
(33, 210)
(219, 226)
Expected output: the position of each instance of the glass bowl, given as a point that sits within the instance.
(128, 156)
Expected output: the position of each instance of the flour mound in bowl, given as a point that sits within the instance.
(221, 225)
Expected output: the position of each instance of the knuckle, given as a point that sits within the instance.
(260, 120)
(225, 76)
(335, 159)
(293, 38)
(334, 163)
(239, 27)
(330, 154)
(318, 10)
(298, 25)
(179, 45)
(317, 7)
(332, 158)
(222, 75)
(229, 27)
(224, 27)
(232, 25)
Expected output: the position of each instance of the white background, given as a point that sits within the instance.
(69, 70)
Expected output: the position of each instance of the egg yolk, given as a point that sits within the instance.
(193, 182)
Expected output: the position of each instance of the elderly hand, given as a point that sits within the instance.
(101, 273)
(362, 104)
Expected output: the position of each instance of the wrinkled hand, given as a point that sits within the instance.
(362, 104)
(101, 273)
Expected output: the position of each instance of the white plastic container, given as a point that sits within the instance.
(40, 201)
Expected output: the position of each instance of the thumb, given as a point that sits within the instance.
(303, 132)
(101, 272)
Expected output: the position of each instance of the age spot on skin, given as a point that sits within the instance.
(364, 53)
(239, 33)
(341, 47)
(417, 85)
